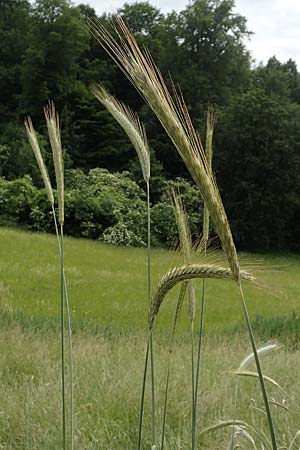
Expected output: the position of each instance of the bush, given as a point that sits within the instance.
(16, 200)
(95, 203)
(101, 201)
(101, 205)
(164, 229)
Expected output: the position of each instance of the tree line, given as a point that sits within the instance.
(47, 52)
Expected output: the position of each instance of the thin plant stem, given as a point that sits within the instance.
(149, 299)
(67, 304)
(201, 327)
(208, 153)
(143, 395)
(193, 386)
(166, 402)
(171, 347)
(259, 370)
(63, 393)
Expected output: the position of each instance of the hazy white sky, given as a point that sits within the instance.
(276, 24)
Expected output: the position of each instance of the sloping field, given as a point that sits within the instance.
(107, 285)
(107, 291)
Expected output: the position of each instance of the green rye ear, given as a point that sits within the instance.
(174, 117)
(52, 121)
(130, 123)
(33, 140)
(185, 273)
(186, 246)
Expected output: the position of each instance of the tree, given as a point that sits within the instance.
(279, 79)
(50, 68)
(211, 62)
(257, 158)
(14, 28)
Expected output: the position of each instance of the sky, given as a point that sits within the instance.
(275, 23)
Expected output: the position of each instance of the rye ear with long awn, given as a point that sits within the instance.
(141, 70)
(174, 116)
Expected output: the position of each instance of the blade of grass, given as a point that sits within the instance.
(171, 347)
(259, 370)
(205, 233)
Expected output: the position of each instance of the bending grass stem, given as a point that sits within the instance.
(149, 300)
(60, 247)
(143, 394)
(259, 370)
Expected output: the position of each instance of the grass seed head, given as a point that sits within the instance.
(130, 123)
(209, 153)
(52, 121)
(185, 273)
(33, 140)
(186, 246)
(174, 117)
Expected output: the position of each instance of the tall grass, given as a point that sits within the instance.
(136, 132)
(52, 122)
(204, 244)
(174, 117)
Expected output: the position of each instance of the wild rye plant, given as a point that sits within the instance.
(136, 132)
(52, 122)
(141, 70)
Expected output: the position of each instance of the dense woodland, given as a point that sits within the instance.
(47, 52)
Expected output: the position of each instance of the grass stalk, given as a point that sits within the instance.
(259, 370)
(53, 126)
(180, 299)
(205, 233)
(141, 416)
(136, 132)
(193, 386)
(199, 353)
(149, 301)
(62, 327)
(69, 329)
(54, 136)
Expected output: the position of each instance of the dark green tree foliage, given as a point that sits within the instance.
(47, 52)
(258, 164)
(16, 158)
(51, 62)
(14, 27)
(210, 61)
(279, 79)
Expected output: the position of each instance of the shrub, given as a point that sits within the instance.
(16, 200)
(164, 229)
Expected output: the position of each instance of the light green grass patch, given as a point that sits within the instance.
(107, 284)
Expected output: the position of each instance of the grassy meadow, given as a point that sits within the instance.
(107, 287)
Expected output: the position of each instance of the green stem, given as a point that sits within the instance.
(143, 395)
(69, 336)
(165, 404)
(201, 326)
(193, 386)
(171, 346)
(259, 370)
(149, 300)
(63, 393)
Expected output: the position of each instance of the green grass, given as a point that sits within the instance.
(109, 308)
(107, 285)
(107, 391)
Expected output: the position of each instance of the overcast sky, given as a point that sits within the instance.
(276, 24)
